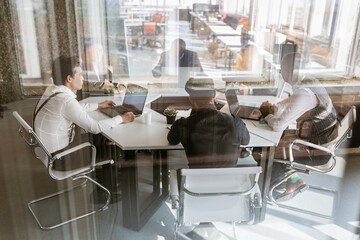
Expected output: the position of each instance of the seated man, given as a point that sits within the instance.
(244, 57)
(185, 58)
(58, 111)
(95, 63)
(316, 106)
(211, 138)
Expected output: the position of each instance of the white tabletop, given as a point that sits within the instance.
(214, 22)
(230, 41)
(260, 134)
(138, 135)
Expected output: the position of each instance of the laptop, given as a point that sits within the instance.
(242, 111)
(134, 101)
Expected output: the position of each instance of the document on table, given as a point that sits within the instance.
(183, 113)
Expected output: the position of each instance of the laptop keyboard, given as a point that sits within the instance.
(121, 109)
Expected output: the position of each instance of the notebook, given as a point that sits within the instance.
(134, 101)
(242, 111)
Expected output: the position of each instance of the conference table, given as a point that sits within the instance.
(230, 41)
(137, 135)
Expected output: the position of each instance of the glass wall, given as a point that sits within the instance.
(160, 44)
(236, 42)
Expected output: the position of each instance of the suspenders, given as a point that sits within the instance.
(71, 133)
(42, 105)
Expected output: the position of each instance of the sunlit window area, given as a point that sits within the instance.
(180, 119)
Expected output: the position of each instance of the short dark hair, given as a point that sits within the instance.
(200, 88)
(63, 67)
(180, 43)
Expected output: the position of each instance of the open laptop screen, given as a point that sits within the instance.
(135, 102)
(243, 111)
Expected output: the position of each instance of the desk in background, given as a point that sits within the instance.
(224, 31)
(230, 41)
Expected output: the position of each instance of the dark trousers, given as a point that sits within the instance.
(82, 158)
(75, 160)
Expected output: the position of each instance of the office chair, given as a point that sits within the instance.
(40, 152)
(344, 129)
(215, 194)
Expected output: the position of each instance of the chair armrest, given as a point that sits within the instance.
(104, 162)
(208, 194)
(76, 148)
(197, 194)
(305, 143)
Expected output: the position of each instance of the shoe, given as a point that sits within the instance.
(281, 187)
(244, 153)
(287, 195)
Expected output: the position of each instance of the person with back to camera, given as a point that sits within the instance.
(58, 111)
(211, 138)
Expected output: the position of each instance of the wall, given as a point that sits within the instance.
(10, 90)
(55, 35)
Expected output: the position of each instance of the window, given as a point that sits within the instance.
(324, 31)
(122, 41)
(27, 14)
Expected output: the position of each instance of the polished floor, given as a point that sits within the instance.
(24, 178)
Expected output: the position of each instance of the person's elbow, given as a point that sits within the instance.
(172, 138)
(245, 138)
(172, 141)
(95, 130)
(156, 72)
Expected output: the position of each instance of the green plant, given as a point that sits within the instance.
(170, 112)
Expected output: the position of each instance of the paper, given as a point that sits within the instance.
(250, 104)
(183, 113)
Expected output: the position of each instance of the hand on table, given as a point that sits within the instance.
(267, 108)
(128, 117)
(106, 104)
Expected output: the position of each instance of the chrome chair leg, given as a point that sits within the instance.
(65, 191)
(234, 230)
(275, 203)
(315, 213)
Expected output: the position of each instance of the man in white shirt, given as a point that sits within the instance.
(287, 111)
(58, 111)
(316, 106)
